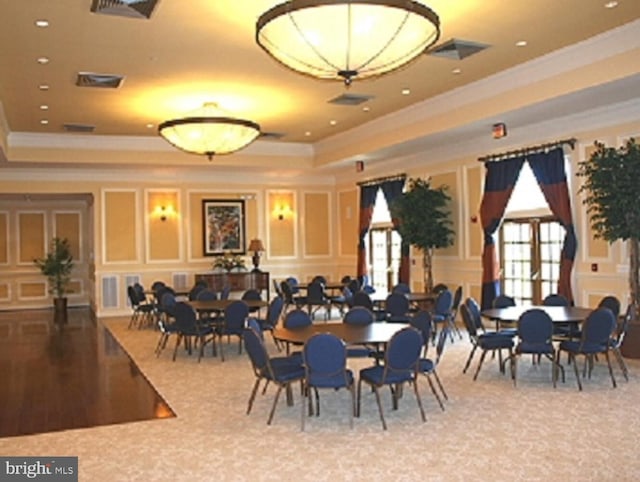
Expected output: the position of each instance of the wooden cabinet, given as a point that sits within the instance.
(237, 281)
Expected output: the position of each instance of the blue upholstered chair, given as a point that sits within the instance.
(281, 371)
(233, 322)
(325, 362)
(535, 333)
(400, 366)
(441, 314)
(597, 330)
(396, 308)
(421, 321)
(487, 342)
(359, 315)
(188, 328)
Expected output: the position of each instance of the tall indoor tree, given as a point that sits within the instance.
(424, 221)
(612, 187)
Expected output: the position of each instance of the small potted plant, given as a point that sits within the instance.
(57, 266)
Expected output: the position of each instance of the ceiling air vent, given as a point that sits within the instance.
(82, 128)
(271, 136)
(108, 81)
(124, 8)
(350, 99)
(456, 49)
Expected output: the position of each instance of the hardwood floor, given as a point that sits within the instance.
(74, 376)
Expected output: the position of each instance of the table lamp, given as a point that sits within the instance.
(257, 247)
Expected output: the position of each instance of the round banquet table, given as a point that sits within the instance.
(374, 333)
(558, 314)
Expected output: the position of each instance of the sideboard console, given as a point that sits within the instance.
(241, 281)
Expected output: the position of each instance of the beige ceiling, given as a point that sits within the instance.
(193, 51)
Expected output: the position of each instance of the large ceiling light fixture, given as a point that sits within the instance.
(348, 39)
(208, 131)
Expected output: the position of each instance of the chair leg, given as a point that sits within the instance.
(433, 390)
(444, 394)
(613, 380)
(621, 363)
(575, 369)
(352, 412)
(418, 399)
(466, 365)
(375, 390)
(514, 369)
(275, 402)
(305, 393)
(357, 407)
(253, 395)
(484, 353)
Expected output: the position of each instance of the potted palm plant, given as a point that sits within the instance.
(611, 180)
(424, 215)
(57, 265)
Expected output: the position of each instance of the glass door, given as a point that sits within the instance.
(384, 252)
(530, 250)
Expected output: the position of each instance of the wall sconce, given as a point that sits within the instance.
(282, 211)
(163, 212)
(257, 247)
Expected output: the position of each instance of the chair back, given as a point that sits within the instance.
(325, 361)
(359, 315)
(157, 285)
(476, 315)
(444, 302)
(254, 325)
(503, 301)
(254, 346)
(612, 303)
(320, 279)
(535, 330)
(139, 290)
(403, 351)
(133, 296)
(469, 321)
(185, 316)
(598, 328)
(168, 303)
(197, 288)
(297, 319)
(396, 304)
(293, 283)
(354, 285)
(348, 296)
(345, 280)
(402, 288)
(421, 321)
(226, 291)
(206, 295)
(360, 298)
(315, 293)
(457, 298)
(235, 316)
(555, 299)
(442, 341)
(439, 287)
(251, 294)
(275, 310)
(276, 286)
(287, 292)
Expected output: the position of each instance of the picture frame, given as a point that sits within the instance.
(223, 227)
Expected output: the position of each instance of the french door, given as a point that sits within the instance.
(530, 250)
(384, 258)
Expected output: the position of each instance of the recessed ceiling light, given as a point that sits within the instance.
(406, 91)
(521, 43)
(43, 87)
(149, 126)
(456, 71)
(44, 107)
(333, 122)
(43, 60)
(366, 108)
(44, 122)
(42, 23)
(611, 5)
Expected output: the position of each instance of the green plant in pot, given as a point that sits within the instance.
(57, 266)
(611, 187)
(424, 221)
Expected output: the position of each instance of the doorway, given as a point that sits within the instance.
(530, 250)
(384, 257)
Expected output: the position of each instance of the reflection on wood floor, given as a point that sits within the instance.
(57, 377)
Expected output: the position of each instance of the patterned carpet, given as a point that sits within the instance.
(490, 430)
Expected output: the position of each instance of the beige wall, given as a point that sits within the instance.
(121, 238)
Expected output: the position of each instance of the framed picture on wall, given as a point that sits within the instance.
(223, 223)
